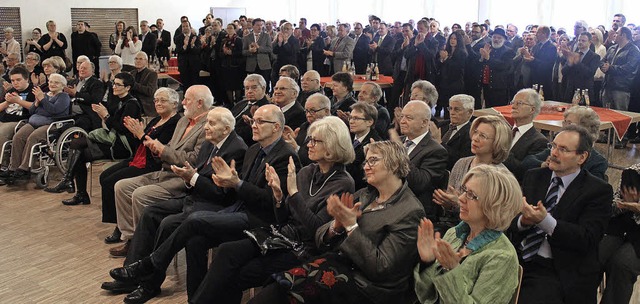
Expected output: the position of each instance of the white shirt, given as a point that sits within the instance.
(416, 141)
(360, 139)
(458, 128)
(287, 107)
(194, 178)
(521, 130)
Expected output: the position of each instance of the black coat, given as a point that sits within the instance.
(149, 43)
(580, 76)
(356, 168)
(382, 54)
(361, 56)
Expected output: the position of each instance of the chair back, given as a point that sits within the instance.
(514, 299)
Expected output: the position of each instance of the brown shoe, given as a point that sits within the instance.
(120, 251)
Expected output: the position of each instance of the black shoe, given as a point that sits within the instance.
(635, 140)
(141, 295)
(78, 199)
(134, 271)
(64, 185)
(119, 287)
(114, 237)
(3, 181)
(5, 173)
(21, 175)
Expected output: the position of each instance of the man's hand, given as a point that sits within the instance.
(532, 215)
(71, 90)
(224, 175)
(186, 173)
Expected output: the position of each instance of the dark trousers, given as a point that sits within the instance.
(396, 90)
(540, 283)
(238, 266)
(495, 97)
(200, 231)
(108, 180)
(622, 267)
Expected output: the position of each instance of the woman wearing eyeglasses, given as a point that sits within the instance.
(369, 245)
(474, 261)
(490, 144)
(86, 149)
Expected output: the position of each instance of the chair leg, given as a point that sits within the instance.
(90, 169)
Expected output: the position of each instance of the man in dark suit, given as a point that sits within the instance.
(496, 70)
(284, 96)
(85, 43)
(563, 219)
(188, 48)
(84, 91)
(428, 159)
(513, 40)
(541, 60)
(473, 66)
(381, 48)
(580, 67)
(420, 55)
(255, 96)
(146, 84)
(317, 107)
(149, 39)
(362, 122)
(256, 47)
(286, 46)
(160, 220)
(525, 106)
(456, 137)
(254, 206)
(164, 40)
(361, 56)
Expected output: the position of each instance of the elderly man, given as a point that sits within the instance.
(525, 106)
(256, 48)
(521, 71)
(149, 39)
(371, 93)
(86, 90)
(309, 85)
(541, 61)
(133, 194)
(317, 107)
(12, 60)
(563, 219)
(163, 41)
(188, 48)
(286, 46)
(255, 96)
(496, 61)
(420, 55)
(341, 50)
(15, 105)
(254, 206)
(160, 220)
(146, 84)
(456, 138)
(85, 43)
(9, 45)
(284, 96)
(428, 159)
(514, 41)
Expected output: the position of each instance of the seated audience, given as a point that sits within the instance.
(290, 71)
(309, 85)
(255, 96)
(371, 93)
(100, 144)
(15, 105)
(620, 246)
(362, 120)
(585, 117)
(476, 251)
(52, 65)
(456, 139)
(143, 161)
(85, 92)
(285, 93)
(342, 88)
(378, 229)
(490, 144)
(44, 110)
(36, 74)
(316, 108)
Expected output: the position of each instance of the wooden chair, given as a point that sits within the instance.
(514, 299)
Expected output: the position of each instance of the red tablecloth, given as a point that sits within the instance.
(620, 121)
(387, 80)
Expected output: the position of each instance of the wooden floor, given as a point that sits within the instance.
(51, 253)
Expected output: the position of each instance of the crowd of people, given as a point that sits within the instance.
(332, 194)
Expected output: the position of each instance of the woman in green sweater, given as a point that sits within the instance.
(474, 262)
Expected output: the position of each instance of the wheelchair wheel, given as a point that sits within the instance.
(62, 146)
(42, 178)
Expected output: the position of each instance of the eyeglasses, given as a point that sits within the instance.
(482, 136)
(468, 193)
(357, 118)
(553, 146)
(313, 111)
(519, 103)
(372, 161)
(313, 142)
(115, 84)
(260, 121)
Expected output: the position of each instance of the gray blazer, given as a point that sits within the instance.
(260, 58)
(176, 152)
(341, 51)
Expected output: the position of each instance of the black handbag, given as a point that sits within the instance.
(270, 238)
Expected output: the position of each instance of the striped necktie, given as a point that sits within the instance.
(533, 240)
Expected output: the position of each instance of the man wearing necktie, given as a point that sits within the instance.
(255, 96)
(256, 47)
(541, 61)
(580, 67)
(361, 56)
(456, 139)
(563, 219)
(427, 158)
(381, 48)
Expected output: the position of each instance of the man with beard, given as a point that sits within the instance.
(496, 70)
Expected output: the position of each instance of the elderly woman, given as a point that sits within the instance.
(143, 161)
(585, 117)
(52, 65)
(370, 244)
(245, 263)
(127, 47)
(342, 88)
(450, 65)
(117, 35)
(490, 144)
(290, 71)
(362, 121)
(475, 261)
(113, 144)
(36, 74)
(46, 108)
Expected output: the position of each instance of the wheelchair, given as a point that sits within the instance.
(53, 151)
